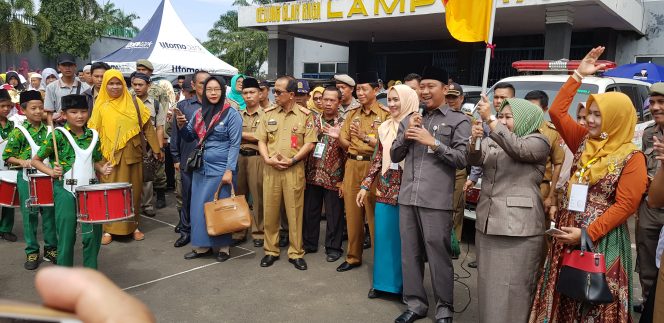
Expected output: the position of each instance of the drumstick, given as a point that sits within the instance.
(115, 146)
(55, 147)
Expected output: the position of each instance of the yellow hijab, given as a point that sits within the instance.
(387, 131)
(116, 119)
(311, 104)
(618, 122)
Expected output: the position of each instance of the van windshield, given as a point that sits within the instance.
(551, 89)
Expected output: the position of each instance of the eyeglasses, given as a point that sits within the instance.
(215, 90)
(320, 98)
(278, 92)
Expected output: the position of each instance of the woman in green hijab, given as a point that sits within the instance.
(510, 221)
(235, 94)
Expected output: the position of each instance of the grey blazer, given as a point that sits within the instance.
(510, 202)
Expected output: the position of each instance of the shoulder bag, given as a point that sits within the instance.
(150, 164)
(227, 215)
(582, 276)
(195, 159)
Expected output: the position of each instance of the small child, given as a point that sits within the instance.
(79, 156)
(21, 147)
(6, 126)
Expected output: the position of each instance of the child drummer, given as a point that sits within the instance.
(6, 126)
(21, 146)
(79, 155)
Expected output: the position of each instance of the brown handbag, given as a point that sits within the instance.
(227, 215)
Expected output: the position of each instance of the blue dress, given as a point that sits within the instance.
(221, 153)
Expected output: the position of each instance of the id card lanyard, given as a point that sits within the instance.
(319, 151)
(578, 196)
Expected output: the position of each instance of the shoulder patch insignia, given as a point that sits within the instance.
(304, 110)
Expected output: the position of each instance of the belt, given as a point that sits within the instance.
(359, 157)
(248, 152)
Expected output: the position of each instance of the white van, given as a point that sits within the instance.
(551, 84)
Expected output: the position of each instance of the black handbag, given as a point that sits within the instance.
(195, 159)
(582, 276)
(150, 163)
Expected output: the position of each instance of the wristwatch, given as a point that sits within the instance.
(366, 139)
(435, 145)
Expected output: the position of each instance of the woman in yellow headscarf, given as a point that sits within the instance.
(315, 102)
(115, 118)
(613, 171)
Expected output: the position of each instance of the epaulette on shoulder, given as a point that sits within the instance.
(351, 108)
(271, 108)
(304, 110)
(386, 109)
(550, 125)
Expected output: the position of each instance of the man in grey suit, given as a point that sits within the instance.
(433, 146)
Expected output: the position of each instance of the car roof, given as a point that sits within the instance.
(600, 81)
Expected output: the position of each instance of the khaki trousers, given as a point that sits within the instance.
(250, 181)
(355, 215)
(286, 185)
(459, 199)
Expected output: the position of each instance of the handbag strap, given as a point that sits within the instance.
(221, 183)
(223, 113)
(586, 242)
(140, 124)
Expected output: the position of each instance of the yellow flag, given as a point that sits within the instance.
(468, 20)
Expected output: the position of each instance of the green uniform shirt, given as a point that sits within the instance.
(66, 151)
(4, 131)
(17, 144)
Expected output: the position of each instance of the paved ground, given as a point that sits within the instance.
(238, 290)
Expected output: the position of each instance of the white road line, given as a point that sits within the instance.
(160, 221)
(187, 271)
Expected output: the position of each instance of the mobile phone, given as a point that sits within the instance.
(177, 111)
(554, 231)
(12, 311)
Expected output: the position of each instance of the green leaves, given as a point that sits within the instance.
(17, 21)
(246, 49)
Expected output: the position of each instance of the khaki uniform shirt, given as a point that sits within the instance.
(557, 153)
(158, 119)
(286, 132)
(369, 123)
(648, 147)
(249, 124)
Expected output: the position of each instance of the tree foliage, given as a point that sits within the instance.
(74, 26)
(112, 17)
(17, 18)
(246, 49)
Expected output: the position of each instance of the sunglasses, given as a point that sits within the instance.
(278, 92)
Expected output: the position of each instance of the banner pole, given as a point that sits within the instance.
(489, 49)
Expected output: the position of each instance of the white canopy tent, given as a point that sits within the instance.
(169, 46)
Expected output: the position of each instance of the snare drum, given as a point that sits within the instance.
(41, 189)
(102, 203)
(8, 190)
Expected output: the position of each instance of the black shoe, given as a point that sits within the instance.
(638, 308)
(332, 257)
(8, 236)
(310, 250)
(193, 254)
(283, 241)
(258, 243)
(298, 263)
(444, 320)
(345, 266)
(237, 242)
(373, 294)
(268, 260)
(160, 204)
(472, 264)
(32, 261)
(177, 229)
(408, 317)
(222, 256)
(367, 241)
(455, 257)
(149, 213)
(51, 255)
(184, 240)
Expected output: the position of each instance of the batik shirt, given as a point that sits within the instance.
(18, 146)
(66, 153)
(327, 171)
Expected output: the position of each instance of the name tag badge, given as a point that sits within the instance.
(293, 141)
(394, 166)
(318, 151)
(578, 197)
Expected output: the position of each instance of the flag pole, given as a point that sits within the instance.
(489, 50)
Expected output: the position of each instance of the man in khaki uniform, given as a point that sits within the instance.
(556, 156)
(285, 136)
(454, 98)
(250, 164)
(359, 136)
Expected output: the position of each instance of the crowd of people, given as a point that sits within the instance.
(390, 177)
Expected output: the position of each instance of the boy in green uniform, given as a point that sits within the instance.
(6, 126)
(77, 165)
(21, 146)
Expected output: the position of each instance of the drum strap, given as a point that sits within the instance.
(82, 162)
(34, 148)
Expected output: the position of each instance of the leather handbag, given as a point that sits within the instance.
(583, 274)
(150, 164)
(227, 215)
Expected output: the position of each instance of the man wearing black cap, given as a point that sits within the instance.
(65, 86)
(250, 164)
(97, 71)
(359, 137)
(6, 126)
(302, 94)
(265, 94)
(433, 146)
(181, 150)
